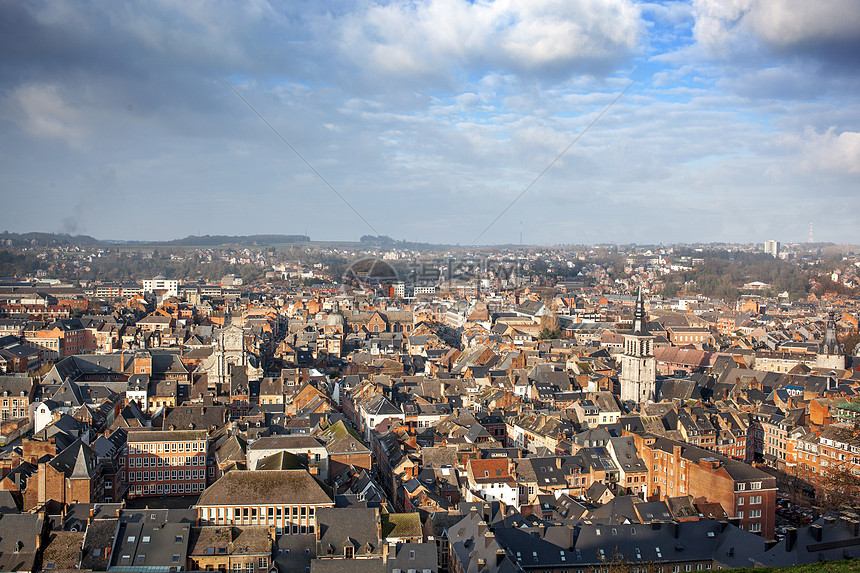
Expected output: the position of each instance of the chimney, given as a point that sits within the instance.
(482, 527)
(848, 521)
(815, 531)
(542, 530)
(723, 525)
(489, 537)
(500, 556)
(656, 525)
(790, 538)
(770, 544)
(676, 529)
(571, 536)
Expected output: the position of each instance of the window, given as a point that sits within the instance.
(740, 501)
(740, 514)
(263, 562)
(144, 539)
(755, 513)
(755, 485)
(755, 527)
(755, 500)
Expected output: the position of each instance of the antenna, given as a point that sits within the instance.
(810, 233)
(521, 232)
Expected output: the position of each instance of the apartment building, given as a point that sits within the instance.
(158, 463)
(679, 469)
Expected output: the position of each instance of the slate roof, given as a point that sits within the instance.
(352, 526)
(285, 487)
(18, 540)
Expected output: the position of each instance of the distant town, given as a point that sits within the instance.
(275, 403)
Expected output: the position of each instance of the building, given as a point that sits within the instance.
(161, 285)
(285, 499)
(830, 354)
(678, 469)
(16, 393)
(638, 365)
(772, 248)
(246, 549)
(165, 463)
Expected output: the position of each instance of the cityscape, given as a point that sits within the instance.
(386, 406)
(430, 286)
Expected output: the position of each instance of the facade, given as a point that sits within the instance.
(15, 394)
(161, 283)
(164, 463)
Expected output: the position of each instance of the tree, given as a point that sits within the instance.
(851, 342)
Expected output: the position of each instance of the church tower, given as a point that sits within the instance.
(830, 353)
(638, 365)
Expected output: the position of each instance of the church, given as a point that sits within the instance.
(638, 365)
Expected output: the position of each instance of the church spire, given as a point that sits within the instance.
(831, 343)
(640, 326)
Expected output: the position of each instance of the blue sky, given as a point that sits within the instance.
(430, 117)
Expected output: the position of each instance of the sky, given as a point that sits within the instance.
(442, 121)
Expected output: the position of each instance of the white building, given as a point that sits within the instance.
(161, 283)
(772, 248)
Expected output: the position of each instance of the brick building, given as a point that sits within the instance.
(679, 469)
(165, 463)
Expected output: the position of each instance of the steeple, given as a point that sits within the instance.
(638, 365)
(831, 343)
(640, 326)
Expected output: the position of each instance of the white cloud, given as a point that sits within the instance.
(47, 115)
(782, 24)
(540, 36)
(829, 151)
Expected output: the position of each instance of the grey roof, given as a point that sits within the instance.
(286, 487)
(357, 527)
(18, 540)
(149, 538)
(413, 556)
(78, 461)
(827, 539)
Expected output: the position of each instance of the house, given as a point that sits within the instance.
(236, 548)
(492, 480)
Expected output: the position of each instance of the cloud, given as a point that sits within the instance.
(46, 114)
(832, 152)
(544, 38)
(824, 30)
